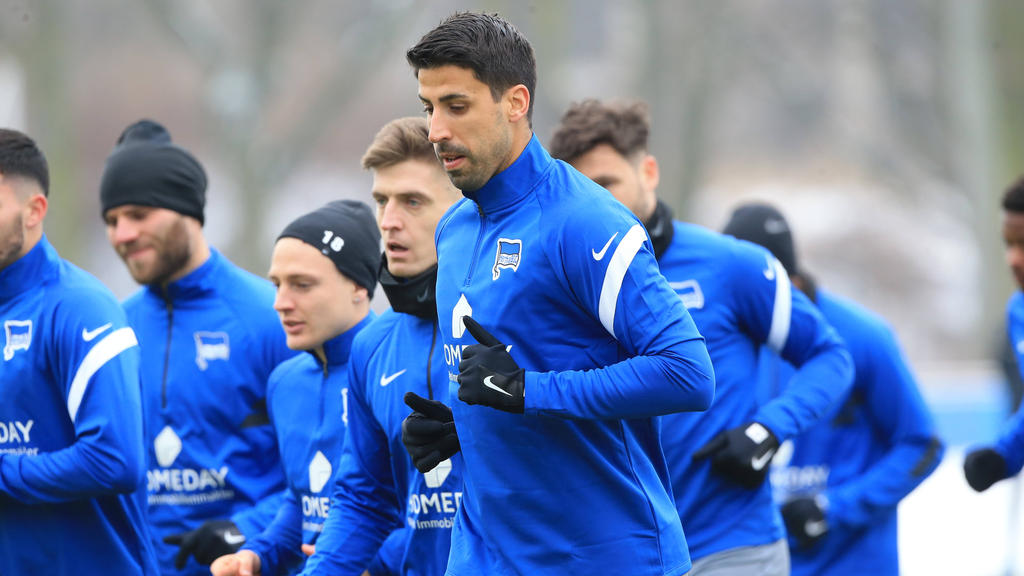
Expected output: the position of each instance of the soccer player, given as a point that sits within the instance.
(562, 339)
(842, 484)
(324, 266)
(71, 456)
(400, 355)
(987, 465)
(741, 300)
(209, 338)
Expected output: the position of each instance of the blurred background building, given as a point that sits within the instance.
(886, 130)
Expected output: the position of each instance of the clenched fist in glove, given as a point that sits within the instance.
(429, 432)
(210, 541)
(805, 520)
(487, 373)
(741, 454)
(983, 468)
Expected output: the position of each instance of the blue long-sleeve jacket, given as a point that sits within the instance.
(377, 487)
(554, 267)
(308, 403)
(1010, 443)
(741, 300)
(209, 342)
(71, 455)
(866, 454)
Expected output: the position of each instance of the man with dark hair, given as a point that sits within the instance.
(209, 339)
(841, 483)
(564, 471)
(987, 465)
(741, 300)
(71, 456)
(324, 266)
(377, 486)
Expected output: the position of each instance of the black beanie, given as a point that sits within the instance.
(763, 224)
(346, 232)
(145, 168)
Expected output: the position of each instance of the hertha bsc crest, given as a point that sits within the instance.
(509, 253)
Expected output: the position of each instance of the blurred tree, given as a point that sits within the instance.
(37, 36)
(262, 126)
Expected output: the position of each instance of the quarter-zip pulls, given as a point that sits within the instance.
(476, 250)
(430, 358)
(167, 350)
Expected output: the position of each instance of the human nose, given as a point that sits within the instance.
(389, 219)
(439, 131)
(121, 231)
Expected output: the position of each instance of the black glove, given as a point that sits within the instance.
(983, 468)
(741, 454)
(487, 373)
(805, 520)
(213, 539)
(429, 432)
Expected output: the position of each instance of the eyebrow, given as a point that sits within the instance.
(446, 97)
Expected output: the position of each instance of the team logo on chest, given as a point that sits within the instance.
(690, 293)
(508, 256)
(211, 346)
(19, 336)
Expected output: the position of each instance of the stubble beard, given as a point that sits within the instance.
(172, 254)
(12, 243)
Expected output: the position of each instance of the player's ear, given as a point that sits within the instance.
(517, 102)
(35, 210)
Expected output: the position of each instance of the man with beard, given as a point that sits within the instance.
(209, 338)
(741, 300)
(71, 456)
(562, 339)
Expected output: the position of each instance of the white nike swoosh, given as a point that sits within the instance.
(90, 335)
(599, 255)
(758, 463)
(493, 386)
(769, 273)
(815, 528)
(385, 380)
(233, 539)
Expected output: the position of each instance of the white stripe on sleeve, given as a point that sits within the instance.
(613, 276)
(783, 309)
(104, 350)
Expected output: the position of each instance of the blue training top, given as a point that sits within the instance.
(869, 451)
(741, 300)
(377, 487)
(553, 266)
(209, 342)
(71, 455)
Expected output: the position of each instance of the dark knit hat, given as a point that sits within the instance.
(346, 232)
(763, 224)
(145, 168)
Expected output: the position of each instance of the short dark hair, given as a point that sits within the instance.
(490, 46)
(624, 126)
(400, 140)
(1013, 199)
(19, 156)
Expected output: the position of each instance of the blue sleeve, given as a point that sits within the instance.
(388, 561)
(99, 380)
(279, 546)
(902, 421)
(789, 323)
(1011, 440)
(666, 367)
(253, 520)
(364, 505)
